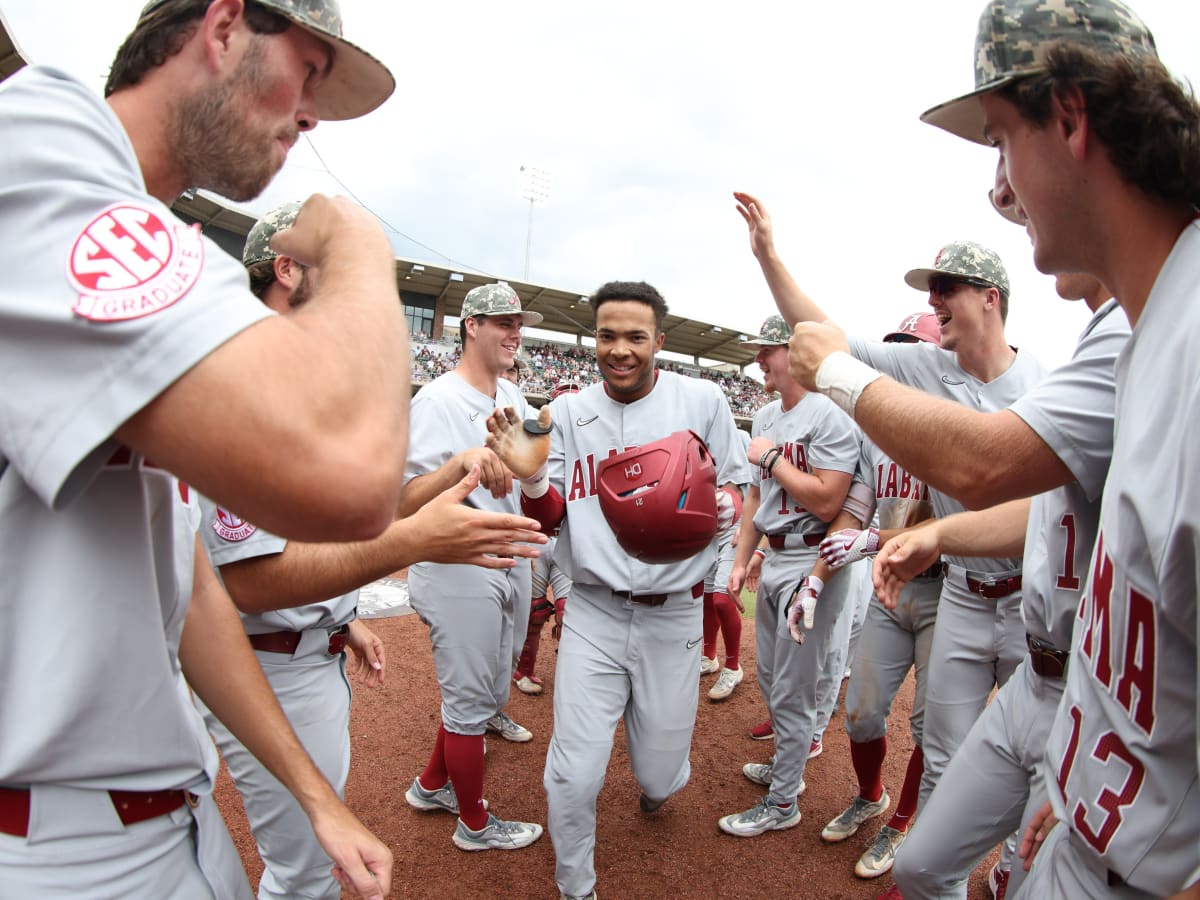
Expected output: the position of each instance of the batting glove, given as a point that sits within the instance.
(849, 546)
(729, 508)
(802, 607)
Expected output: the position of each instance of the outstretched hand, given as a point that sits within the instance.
(758, 220)
(901, 559)
(456, 533)
(522, 452)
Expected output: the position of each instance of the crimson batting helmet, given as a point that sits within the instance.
(917, 327)
(565, 387)
(660, 499)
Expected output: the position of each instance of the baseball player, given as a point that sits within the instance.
(546, 574)
(474, 615)
(299, 641)
(806, 451)
(1122, 755)
(722, 612)
(630, 648)
(979, 639)
(120, 325)
(894, 640)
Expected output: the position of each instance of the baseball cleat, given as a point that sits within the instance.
(650, 806)
(759, 773)
(852, 817)
(816, 748)
(709, 666)
(765, 816)
(502, 724)
(443, 798)
(527, 684)
(998, 882)
(726, 682)
(879, 858)
(763, 731)
(591, 896)
(497, 834)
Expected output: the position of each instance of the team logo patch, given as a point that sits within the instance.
(128, 263)
(230, 527)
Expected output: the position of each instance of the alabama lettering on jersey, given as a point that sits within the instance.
(901, 499)
(1124, 750)
(813, 434)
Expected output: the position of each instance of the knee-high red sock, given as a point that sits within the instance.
(464, 762)
(867, 757)
(435, 775)
(711, 625)
(907, 804)
(533, 639)
(731, 627)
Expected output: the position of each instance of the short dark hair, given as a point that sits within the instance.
(162, 34)
(262, 276)
(1147, 120)
(631, 290)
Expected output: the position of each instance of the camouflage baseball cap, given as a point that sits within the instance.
(1012, 41)
(496, 300)
(774, 333)
(258, 241)
(356, 82)
(963, 259)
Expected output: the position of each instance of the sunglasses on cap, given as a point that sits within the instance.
(945, 285)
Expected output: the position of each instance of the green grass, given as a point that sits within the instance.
(748, 600)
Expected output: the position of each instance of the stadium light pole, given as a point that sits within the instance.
(535, 187)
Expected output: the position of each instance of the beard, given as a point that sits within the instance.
(303, 292)
(218, 143)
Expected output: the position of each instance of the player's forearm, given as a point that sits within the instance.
(221, 668)
(822, 495)
(748, 536)
(794, 305)
(420, 490)
(978, 458)
(994, 533)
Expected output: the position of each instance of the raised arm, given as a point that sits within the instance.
(794, 305)
(325, 389)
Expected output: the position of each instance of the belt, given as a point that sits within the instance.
(656, 599)
(288, 641)
(937, 570)
(996, 588)
(131, 806)
(1047, 661)
(779, 541)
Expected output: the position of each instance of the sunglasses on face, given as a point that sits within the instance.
(945, 285)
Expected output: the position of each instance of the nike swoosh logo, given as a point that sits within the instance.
(582, 421)
(946, 379)
(474, 416)
(691, 644)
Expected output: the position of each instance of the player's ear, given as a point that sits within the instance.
(224, 33)
(1070, 118)
(287, 272)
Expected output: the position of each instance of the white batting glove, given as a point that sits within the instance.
(729, 509)
(803, 607)
(849, 546)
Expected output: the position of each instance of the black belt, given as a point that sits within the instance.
(287, 641)
(937, 570)
(996, 588)
(1047, 661)
(779, 541)
(656, 599)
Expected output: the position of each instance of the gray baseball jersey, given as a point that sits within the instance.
(104, 304)
(312, 688)
(936, 371)
(999, 764)
(618, 658)
(473, 613)
(588, 428)
(1123, 751)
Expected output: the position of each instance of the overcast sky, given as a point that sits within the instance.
(647, 116)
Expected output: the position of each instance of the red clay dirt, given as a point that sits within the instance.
(676, 852)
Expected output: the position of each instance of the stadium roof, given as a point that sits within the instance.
(11, 57)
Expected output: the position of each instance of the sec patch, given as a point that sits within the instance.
(128, 263)
(231, 527)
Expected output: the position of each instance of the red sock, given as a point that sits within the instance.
(464, 762)
(731, 627)
(435, 775)
(711, 626)
(907, 804)
(867, 757)
(533, 638)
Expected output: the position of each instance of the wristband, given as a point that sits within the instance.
(842, 379)
(774, 462)
(759, 551)
(816, 584)
(537, 484)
